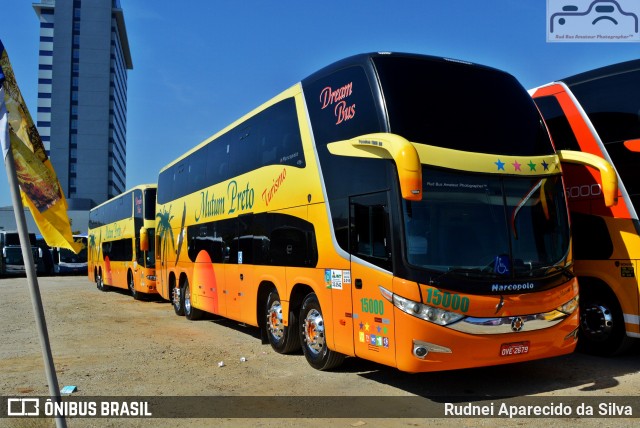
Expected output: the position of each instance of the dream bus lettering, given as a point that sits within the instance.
(342, 111)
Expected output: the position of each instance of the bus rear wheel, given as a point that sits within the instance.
(312, 336)
(190, 312)
(100, 285)
(602, 328)
(283, 339)
(177, 301)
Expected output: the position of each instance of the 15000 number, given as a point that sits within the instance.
(372, 306)
(447, 300)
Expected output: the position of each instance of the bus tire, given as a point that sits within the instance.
(100, 285)
(190, 312)
(283, 339)
(132, 288)
(602, 328)
(312, 336)
(177, 301)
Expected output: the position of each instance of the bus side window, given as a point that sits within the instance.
(369, 229)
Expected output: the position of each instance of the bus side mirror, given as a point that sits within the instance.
(633, 145)
(387, 146)
(144, 239)
(609, 178)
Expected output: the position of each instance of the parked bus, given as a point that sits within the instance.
(598, 112)
(66, 262)
(120, 254)
(400, 208)
(11, 259)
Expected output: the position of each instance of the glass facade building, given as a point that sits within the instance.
(82, 95)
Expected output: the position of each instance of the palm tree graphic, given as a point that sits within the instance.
(164, 231)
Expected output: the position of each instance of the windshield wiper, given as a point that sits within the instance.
(521, 204)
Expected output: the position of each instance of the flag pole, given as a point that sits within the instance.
(32, 279)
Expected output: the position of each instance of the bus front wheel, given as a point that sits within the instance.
(132, 288)
(312, 336)
(283, 339)
(602, 328)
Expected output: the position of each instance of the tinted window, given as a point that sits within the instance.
(262, 239)
(118, 208)
(120, 250)
(341, 106)
(271, 137)
(557, 122)
(150, 204)
(613, 105)
(459, 106)
(591, 239)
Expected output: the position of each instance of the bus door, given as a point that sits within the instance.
(239, 270)
(370, 248)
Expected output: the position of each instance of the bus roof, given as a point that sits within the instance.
(140, 187)
(598, 73)
(364, 60)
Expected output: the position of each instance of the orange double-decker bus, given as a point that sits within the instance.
(121, 243)
(598, 112)
(400, 208)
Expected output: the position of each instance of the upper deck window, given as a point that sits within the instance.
(460, 106)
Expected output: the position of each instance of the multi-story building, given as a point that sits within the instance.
(82, 96)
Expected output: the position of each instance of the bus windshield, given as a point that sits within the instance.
(502, 226)
(479, 109)
(68, 256)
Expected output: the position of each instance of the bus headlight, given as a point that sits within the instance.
(569, 307)
(420, 310)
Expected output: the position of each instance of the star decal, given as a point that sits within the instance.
(545, 165)
(532, 166)
(361, 325)
(516, 165)
(366, 327)
(500, 165)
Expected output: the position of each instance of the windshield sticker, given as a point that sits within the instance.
(338, 99)
(456, 185)
(502, 265)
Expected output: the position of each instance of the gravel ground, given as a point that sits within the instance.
(108, 344)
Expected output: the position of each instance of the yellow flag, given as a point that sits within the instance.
(39, 186)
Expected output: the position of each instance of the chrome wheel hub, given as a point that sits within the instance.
(597, 321)
(313, 330)
(275, 324)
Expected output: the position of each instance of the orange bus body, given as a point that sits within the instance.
(336, 226)
(597, 112)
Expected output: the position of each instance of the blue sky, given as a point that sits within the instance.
(199, 65)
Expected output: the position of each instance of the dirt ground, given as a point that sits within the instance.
(108, 344)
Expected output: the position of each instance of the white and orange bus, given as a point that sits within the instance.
(399, 208)
(121, 244)
(598, 112)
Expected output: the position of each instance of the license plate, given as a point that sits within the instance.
(516, 348)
